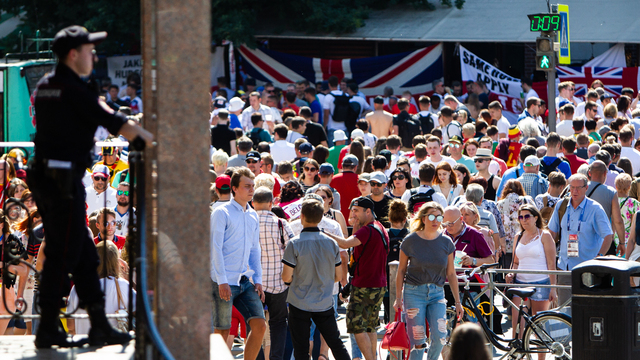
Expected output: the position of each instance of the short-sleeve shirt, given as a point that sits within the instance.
(427, 259)
(472, 242)
(221, 137)
(314, 257)
(315, 133)
(316, 108)
(372, 265)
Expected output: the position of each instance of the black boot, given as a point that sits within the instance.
(50, 332)
(101, 332)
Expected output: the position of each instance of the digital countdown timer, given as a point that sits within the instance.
(545, 22)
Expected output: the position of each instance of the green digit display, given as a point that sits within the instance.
(545, 22)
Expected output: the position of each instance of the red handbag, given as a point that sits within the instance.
(396, 338)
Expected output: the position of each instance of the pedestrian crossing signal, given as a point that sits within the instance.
(544, 62)
(545, 55)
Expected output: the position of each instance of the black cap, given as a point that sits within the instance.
(378, 100)
(363, 202)
(253, 155)
(73, 36)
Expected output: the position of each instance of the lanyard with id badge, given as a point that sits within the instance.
(572, 244)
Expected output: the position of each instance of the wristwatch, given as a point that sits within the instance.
(475, 261)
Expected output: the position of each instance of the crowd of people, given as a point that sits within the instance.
(314, 191)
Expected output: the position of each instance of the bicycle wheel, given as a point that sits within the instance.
(549, 334)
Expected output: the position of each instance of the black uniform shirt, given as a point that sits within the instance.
(67, 115)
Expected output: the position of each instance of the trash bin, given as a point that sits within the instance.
(605, 310)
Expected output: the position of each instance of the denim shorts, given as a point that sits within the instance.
(542, 294)
(243, 297)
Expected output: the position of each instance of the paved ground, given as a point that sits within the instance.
(21, 347)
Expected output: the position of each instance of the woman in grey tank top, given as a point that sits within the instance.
(426, 261)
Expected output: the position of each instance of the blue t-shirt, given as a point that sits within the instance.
(316, 108)
(234, 122)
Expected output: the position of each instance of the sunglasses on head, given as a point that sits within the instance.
(310, 169)
(122, 192)
(398, 177)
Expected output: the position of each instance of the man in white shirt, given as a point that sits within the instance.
(592, 95)
(626, 140)
(328, 106)
(495, 110)
(435, 158)
(281, 149)
(99, 190)
(426, 174)
(450, 127)
(256, 106)
(528, 90)
(566, 89)
(565, 126)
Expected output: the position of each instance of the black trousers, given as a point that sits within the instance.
(300, 328)
(278, 313)
(69, 248)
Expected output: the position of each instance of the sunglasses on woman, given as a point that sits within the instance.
(434, 217)
(397, 177)
(524, 217)
(310, 169)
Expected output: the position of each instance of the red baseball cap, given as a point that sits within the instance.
(223, 182)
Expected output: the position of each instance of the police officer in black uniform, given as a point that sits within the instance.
(69, 113)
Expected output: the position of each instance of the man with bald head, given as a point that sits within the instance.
(607, 197)
(465, 238)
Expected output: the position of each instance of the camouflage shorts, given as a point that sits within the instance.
(363, 311)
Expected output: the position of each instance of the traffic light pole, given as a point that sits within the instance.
(551, 98)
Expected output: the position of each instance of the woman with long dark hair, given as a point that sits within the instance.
(9, 242)
(309, 175)
(356, 148)
(399, 182)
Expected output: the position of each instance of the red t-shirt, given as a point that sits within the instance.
(117, 239)
(575, 162)
(372, 266)
(346, 184)
(412, 109)
(343, 152)
(292, 107)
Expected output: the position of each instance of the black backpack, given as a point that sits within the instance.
(426, 123)
(352, 117)
(394, 245)
(548, 169)
(255, 137)
(341, 108)
(417, 199)
(408, 129)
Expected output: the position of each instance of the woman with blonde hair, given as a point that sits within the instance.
(628, 205)
(220, 160)
(426, 261)
(446, 182)
(116, 288)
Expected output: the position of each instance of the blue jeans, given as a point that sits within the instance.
(425, 302)
(243, 297)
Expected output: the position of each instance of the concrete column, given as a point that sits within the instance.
(176, 54)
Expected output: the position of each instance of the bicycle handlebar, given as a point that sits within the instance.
(482, 269)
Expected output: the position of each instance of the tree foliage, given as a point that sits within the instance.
(237, 20)
(120, 19)
(231, 20)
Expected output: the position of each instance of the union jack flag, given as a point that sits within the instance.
(410, 71)
(613, 78)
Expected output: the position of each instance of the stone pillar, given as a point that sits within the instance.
(176, 54)
(393, 271)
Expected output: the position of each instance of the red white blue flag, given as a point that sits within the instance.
(613, 78)
(411, 71)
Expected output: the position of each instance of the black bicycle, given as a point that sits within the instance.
(547, 334)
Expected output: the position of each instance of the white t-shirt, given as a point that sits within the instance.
(444, 158)
(95, 201)
(531, 93)
(122, 222)
(245, 117)
(329, 105)
(451, 129)
(292, 136)
(437, 197)
(111, 302)
(281, 150)
(633, 155)
(503, 126)
(364, 105)
(370, 140)
(565, 128)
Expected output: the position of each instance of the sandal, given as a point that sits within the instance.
(325, 357)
